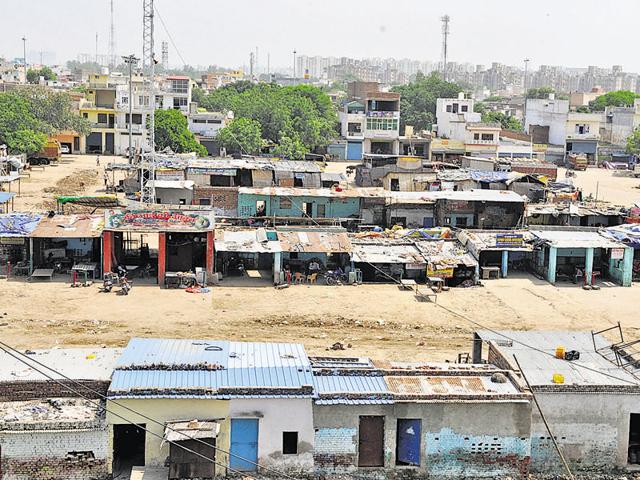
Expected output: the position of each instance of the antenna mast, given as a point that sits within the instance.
(445, 37)
(112, 39)
(147, 164)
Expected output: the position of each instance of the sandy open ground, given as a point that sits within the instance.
(376, 320)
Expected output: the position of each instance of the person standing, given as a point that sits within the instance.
(98, 160)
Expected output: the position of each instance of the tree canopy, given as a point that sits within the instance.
(242, 136)
(418, 101)
(506, 121)
(542, 92)
(633, 142)
(33, 76)
(619, 98)
(286, 115)
(29, 115)
(172, 130)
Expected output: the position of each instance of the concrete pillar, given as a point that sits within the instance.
(210, 252)
(551, 272)
(588, 267)
(627, 267)
(505, 263)
(107, 251)
(162, 257)
(277, 265)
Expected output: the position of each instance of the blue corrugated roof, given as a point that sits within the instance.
(351, 389)
(211, 369)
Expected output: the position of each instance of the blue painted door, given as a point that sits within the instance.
(354, 151)
(408, 446)
(427, 222)
(244, 444)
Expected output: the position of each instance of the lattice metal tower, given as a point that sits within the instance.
(165, 55)
(147, 164)
(445, 38)
(112, 38)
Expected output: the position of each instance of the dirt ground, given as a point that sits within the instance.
(607, 185)
(376, 320)
(373, 320)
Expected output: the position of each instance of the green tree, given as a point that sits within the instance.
(418, 101)
(542, 92)
(633, 143)
(25, 141)
(479, 107)
(243, 136)
(304, 110)
(33, 76)
(291, 147)
(619, 98)
(172, 130)
(506, 121)
(583, 109)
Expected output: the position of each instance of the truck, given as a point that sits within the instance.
(576, 161)
(50, 153)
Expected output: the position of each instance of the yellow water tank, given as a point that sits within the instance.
(560, 353)
(558, 378)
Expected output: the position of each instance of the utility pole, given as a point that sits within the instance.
(24, 53)
(130, 60)
(97, 48)
(445, 38)
(294, 65)
(252, 60)
(524, 88)
(269, 67)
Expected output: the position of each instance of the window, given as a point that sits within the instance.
(455, 108)
(461, 222)
(180, 86)
(205, 201)
(476, 136)
(464, 108)
(285, 203)
(448, 108)
(582, 129)
(321, 210)
(137, 118)
(125, 100)
(289, 443)
(487, 136)
(85, 115)
(297, 182)
(183, 201)
(395, 185)
(382, 123)
(179, 102)
(143, 100)
(102, 118)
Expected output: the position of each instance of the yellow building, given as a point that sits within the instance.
(99, 107)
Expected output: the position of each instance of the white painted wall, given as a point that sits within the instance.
(548, 113)
(276, 416)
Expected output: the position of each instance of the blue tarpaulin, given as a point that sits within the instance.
(488, 177)
(18, 224)
(628, 233)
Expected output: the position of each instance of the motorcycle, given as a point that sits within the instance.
(125, 286)
(109, 280)
(335, 277)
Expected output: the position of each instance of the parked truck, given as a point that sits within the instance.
(50, 153)
(577, 161)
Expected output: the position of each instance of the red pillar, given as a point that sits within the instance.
(107, 251)
(162, 257)
(210, 238)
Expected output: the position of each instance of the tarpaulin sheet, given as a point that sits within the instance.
(488, 177)
(18, 224)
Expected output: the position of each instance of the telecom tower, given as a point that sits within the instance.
(445, 37)
(147, 164)
(112, 39)
(165, 55)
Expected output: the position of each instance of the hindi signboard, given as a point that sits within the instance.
(438, 271)
(159, 220)
(509, 240)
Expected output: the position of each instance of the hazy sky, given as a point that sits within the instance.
(554, 32)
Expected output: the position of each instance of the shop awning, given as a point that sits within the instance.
(69, 226)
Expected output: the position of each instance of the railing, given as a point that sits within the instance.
(383, 114)
(482, 142)
(355, 134)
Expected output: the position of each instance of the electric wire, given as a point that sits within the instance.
(131, 422)
(6, 347)
(164, 26)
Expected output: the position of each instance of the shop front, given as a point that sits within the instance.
(15, 229)
(161, 244)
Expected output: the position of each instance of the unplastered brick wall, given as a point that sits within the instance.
(19, 391)
(53, 455)
(335, 449)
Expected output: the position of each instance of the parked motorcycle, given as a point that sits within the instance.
(109, 280)
(335, 277)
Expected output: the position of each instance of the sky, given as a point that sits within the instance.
(574, 33)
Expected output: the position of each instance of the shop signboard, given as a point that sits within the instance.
(437, 271)
(509, 240)
(617, 253)
(159, 220)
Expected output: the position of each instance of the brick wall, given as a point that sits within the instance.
(335, 449)
(19, 391)
(48, 455)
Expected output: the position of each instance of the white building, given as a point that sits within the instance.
(452, 116)
(582, 134)
(175, 92)
(546, 118)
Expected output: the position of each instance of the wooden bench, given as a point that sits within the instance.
(408, 284)
(488, 271)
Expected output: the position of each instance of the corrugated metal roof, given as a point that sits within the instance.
(479, 195)
(247, 241)
(165, 368)
(6, 196)
(539, 366)
(314, 192)
(70, 226)
(486, 239)
(448, 385)
(571, 238)
(314, 242)
(386, 253)
(75, 363)
(351, 390)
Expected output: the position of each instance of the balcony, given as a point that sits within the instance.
(482, 142)
(88, 105)
(382, 134)
(594, 137)
(383, 114)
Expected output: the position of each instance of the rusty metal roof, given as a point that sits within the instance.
(448, 385)
(69, 226)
